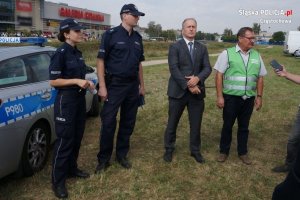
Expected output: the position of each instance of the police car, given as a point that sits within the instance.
(26, 106)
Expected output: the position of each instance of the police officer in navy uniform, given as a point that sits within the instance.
(67, 74)
(121, 82)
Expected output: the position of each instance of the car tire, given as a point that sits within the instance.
(36, 149)
(95, 107)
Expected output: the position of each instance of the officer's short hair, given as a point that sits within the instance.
(187, 20)
(121, 16)
(242, 31)
(61, 36)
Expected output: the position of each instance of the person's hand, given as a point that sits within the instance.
(220, 102)
(258, 103)
(91, 85)
(195, 90)
(192, 80)
(102, 93)
(82, 83)
(142, 91)
(282, 72)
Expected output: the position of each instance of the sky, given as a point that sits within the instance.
(212, 16)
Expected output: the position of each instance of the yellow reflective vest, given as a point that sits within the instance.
(240, 80)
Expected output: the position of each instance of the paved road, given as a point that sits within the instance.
(163, 61)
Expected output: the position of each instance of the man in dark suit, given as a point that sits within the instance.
(189, 67)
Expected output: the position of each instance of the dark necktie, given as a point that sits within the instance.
(191, 49)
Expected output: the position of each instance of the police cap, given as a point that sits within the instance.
(131, 8)
(69, 24)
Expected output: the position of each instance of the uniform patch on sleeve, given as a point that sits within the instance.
(60, 119)
(55, 72)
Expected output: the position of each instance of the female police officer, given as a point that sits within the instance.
(67, 75)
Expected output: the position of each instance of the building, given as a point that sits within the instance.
(7, 15)
(44, 16)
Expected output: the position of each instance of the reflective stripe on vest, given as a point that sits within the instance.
(240, 80)
(237, 87)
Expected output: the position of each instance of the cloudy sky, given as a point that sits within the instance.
(212, 16)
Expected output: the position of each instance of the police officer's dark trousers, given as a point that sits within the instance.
(289, 189)
(69, 116)
(122, 93)
(236, 108)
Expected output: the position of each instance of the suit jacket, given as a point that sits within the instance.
(181, 65)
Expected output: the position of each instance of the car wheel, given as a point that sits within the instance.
(36, 149)
(297, 53)
(95, 107)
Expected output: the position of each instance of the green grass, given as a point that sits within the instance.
(152, 178)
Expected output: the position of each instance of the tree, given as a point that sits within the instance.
(169, 35)
(199, 36)
(210, 36)
(298, 28)
(278, 36)
(227, 32)
(256, 28)
(231, 38)
(153, 30)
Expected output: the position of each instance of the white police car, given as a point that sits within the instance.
(26, 106)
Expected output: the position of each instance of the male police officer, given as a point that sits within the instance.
(121, 82)
(239, 79)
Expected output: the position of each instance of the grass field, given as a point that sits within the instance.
(151, 177)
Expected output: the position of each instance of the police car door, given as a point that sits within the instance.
(25, 98)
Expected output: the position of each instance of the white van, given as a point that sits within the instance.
(292, 42)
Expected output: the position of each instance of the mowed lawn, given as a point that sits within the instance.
(152, 178)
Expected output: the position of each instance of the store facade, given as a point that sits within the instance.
(44, 16)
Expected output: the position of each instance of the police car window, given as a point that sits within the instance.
(39, 65)
(12, 72)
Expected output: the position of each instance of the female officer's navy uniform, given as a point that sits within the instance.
(69, 113)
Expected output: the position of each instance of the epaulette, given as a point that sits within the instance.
(111, 31)
(60, 50)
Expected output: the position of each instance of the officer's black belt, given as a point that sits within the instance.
(72, 91)
(124, 78)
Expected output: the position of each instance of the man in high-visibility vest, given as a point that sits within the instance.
(239, 84)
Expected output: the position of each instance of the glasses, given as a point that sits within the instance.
(250, 38)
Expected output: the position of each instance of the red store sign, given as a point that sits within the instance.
(23, 6)
(80, 14)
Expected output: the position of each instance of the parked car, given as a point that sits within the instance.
(26, 108)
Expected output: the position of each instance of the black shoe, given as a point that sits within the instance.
(124, 162)
(168, 156)
(101, 167)
(198, 157)
(282, 168)
(60, 191)
(79, 174)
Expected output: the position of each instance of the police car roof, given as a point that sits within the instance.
(11, 52)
